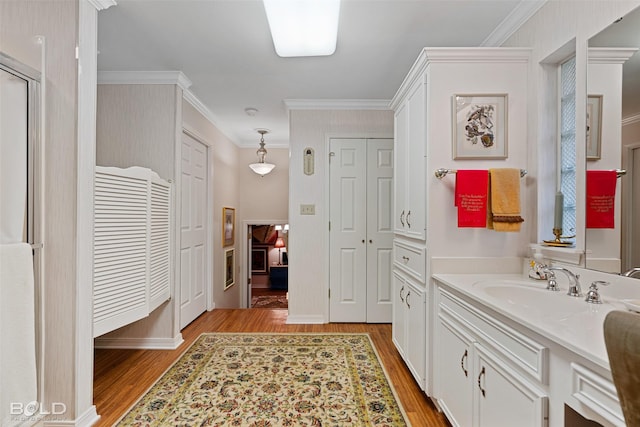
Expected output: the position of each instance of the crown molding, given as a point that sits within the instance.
(337, 104)
(195, 102)
(610, 55)
(509, 25)
(144, 78)
(102, 4)
(631, 120)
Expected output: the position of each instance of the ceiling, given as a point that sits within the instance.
(625, 33)
(224, 47)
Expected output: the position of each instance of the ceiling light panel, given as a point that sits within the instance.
(303, 27)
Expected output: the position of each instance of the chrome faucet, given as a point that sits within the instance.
(633, 272)
(574, 283)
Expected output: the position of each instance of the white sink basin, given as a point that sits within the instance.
(535, 298)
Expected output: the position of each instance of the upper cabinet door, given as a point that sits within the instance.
(415, 198)
(400, 168)
(410, 149)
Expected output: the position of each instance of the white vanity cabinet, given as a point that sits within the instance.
(475, 384)
(409, 324)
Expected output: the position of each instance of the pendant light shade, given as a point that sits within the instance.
(261, 167)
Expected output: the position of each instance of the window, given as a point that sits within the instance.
(567, 149)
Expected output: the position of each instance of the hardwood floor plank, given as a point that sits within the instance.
(122, 376)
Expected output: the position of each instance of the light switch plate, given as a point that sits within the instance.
(307, 209)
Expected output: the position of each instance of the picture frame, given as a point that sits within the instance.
(480, 126)
(259, 260)
(229, 268)
(228, 226)
(594, 127)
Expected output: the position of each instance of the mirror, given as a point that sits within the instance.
(613, 143)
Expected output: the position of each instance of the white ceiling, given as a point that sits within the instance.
(625, 33)
(224, 47)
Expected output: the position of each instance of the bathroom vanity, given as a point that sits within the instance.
(507, 351)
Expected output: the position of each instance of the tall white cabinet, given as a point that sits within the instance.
(424, 216)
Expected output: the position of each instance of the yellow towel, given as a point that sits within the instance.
(505, 200)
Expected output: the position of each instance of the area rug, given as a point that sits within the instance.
(269, 301)
(272, 380)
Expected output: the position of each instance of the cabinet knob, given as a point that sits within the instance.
(405, 259)
(370, 241)
(362, 240)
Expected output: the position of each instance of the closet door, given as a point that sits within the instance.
(348, 230)
(193, 262)
(361, 230)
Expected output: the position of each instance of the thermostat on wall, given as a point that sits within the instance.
(308, 161)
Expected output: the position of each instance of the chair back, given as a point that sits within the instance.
(622, 338)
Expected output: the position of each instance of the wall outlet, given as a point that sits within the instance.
(307, 209)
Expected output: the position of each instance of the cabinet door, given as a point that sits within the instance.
(415, 198)
(503, 398)
(398, 325)
(454, 373)
(400, 168)
(416, 332)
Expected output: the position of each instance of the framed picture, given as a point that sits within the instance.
(259, 260)
(228, 226)
(479, 126)
(594, 126)
(229, 268)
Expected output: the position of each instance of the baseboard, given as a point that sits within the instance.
(140, 343)
(305, 320)
(87, 419)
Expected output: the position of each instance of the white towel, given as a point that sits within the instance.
(17, 330)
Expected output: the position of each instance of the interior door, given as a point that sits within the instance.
(348, 230)
(361, 231)
(193, 259)
(379, 229)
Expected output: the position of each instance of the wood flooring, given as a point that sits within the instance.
(122, 376)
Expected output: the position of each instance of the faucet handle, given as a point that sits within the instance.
(593, 296)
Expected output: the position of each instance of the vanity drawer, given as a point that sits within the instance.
(596, 393)
(410, 258)
(525, 353)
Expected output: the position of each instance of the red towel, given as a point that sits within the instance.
(471, 197)
(601, 194)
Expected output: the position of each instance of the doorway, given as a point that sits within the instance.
(265, 272)
(631, 212)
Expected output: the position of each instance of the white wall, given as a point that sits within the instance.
(444, 238)
(308, 236)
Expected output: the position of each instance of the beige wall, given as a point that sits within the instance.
(265, 197)
(57, 21)
(136, 126)
(308, 240)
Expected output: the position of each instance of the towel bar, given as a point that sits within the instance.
(620, 172)
(442, 172)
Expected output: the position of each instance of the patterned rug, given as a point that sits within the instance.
(269, 301)
(272, 380)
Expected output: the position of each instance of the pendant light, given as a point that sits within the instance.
(261, 167)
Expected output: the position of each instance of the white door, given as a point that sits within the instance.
(361, 182)
(634, 233)
(379, 229)
(193, 260)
